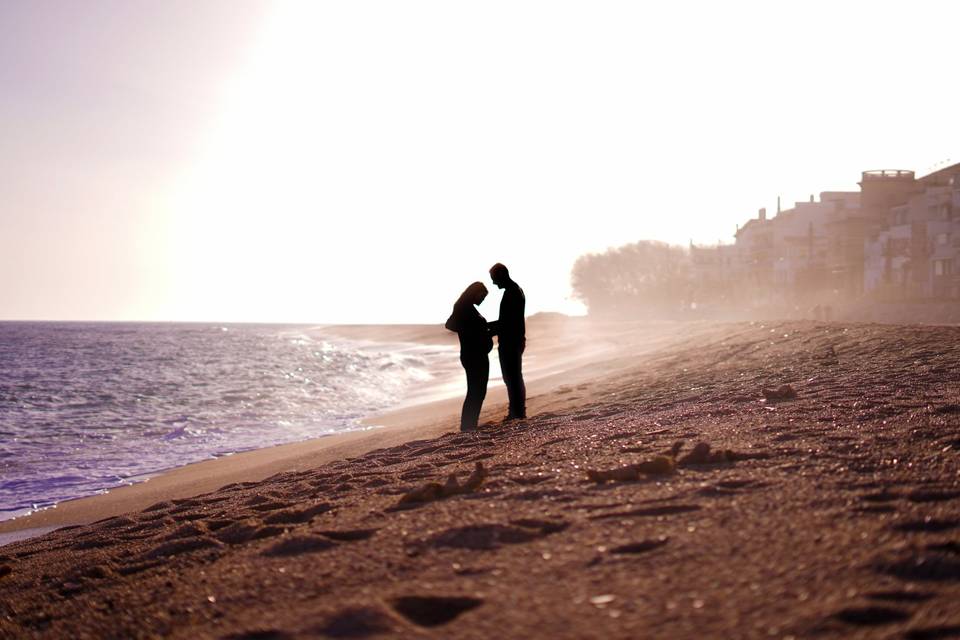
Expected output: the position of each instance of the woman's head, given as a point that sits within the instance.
(474, 294)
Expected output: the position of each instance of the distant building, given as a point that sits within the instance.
(714, 272)
(806, 264)
(915, 253)
(754, 253)
(797, 255)
(898, 238)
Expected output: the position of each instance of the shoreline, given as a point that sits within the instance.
(562, 351)
(379, 430)
(191, 478)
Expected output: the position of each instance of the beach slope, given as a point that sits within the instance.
(748, 480)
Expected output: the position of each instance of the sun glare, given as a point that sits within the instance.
(364, 164)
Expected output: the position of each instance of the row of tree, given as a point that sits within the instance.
(644, 279)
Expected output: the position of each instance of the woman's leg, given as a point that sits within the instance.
(465, 414)
(478, 372)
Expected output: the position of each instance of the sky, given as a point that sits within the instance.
(254, 161)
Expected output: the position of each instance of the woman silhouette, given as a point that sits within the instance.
(475, 344)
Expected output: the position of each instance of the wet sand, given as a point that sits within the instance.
(831, 514)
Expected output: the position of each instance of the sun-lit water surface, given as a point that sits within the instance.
(85, 407)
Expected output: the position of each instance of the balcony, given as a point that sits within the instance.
(888, 174)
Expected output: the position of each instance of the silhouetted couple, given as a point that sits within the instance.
(476, 341)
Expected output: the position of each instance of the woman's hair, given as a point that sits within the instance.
(472, 293)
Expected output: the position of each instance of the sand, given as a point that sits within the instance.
(832, 514)
(563, 349)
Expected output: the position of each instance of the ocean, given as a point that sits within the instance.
(87, 407)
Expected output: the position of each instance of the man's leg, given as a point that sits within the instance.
(512, 369)
(504, 357)
(518, 403)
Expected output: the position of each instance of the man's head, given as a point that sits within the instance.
(499, 275)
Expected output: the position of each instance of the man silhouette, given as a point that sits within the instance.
(510, 330)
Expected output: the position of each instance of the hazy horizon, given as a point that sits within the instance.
(362, 163)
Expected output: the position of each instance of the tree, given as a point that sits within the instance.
(646, 278)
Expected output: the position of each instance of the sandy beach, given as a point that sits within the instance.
(567, 349)
(667, 484)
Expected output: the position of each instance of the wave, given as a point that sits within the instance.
(86, 407)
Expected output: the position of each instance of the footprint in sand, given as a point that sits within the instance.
(93, 543)
(947, 409)
(741, 484)
(927, 566)
(884, 495)
(389, 461)
(875, 508)
(489, 537)
(259, 634)
(922, 496)
(945, 547)
(154, 516)
(479, 456)
(871, 616)
(349, 535)
(298, 516)
(183, 511)
(928, 525)
(643, 546)
(138, 567)
(544, 526)
(785, 437)
(113, 523)
(186, 531)
(900, 596)
(933, 633)
(666, 510)
(358, 622)
(422, 451)
(433, 611)
(246, 530)
(150, 526)
(189, 516)
(158, 506)
(217, 524)
(298, 545)
(177, 547)
(418, 474)
(269, 506)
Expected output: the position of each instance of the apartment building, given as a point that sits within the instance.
(898, 238)
(915, 254)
